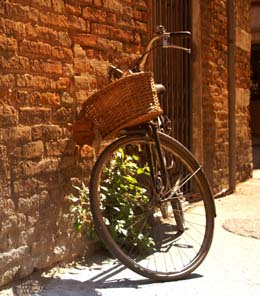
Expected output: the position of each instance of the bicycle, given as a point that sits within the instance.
(150, 200)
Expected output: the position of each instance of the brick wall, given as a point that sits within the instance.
(53, 54)
(214, 19)
(242, 82)
(215, 91)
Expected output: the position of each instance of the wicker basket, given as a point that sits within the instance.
(126, 102)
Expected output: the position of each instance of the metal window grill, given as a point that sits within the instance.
(172, 67)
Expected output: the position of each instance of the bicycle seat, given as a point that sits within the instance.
(160, 88)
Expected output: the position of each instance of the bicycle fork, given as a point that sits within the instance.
(161, 181)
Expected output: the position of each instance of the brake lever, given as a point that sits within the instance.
(166, 44)
(188, 50)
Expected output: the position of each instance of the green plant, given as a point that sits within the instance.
(81, 209)
(125, 201)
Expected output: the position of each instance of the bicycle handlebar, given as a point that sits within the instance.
(161, 34)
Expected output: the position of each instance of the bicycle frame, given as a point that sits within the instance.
(141, 194)
(151, 129)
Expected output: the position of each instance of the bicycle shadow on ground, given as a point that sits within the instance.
(74, 282)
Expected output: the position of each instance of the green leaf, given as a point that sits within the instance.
(76, 187)
(130, 179)
(116, 209)
(74, 198)
(78, 225)
(73, 209)
(104, 188)
(135, 157)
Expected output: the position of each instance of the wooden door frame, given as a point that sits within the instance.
(196, 84)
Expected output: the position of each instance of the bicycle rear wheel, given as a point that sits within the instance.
(161, 233)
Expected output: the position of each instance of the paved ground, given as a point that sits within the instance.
(231, 268)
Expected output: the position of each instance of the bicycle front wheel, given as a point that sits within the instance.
(161, 232)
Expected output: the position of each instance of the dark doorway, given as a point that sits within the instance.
(172, 67)
(255, 104)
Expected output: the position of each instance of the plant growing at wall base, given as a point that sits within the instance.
(122, 200)
(81, 209)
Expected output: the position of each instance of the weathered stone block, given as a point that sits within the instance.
(8, 116)
(7, 81)
(14, 63)
(19, 135)
(49, 165)
(73, 9)
(49, 99)
(81, 96)
(112, 5)
(62, 53)
(26, 187)
(68, 70)
(243, 39)
(33, 203)
(63, 83)
(67, 99)
(9, 44)
(64, 39)
(21, 12)
(242, 97)
(61, 147)
(53, 67)
(46, 132)
(5, 184)
(11, 28)
(35, 48)
(86, 82)
(12, 257)
(142, 5)
(38, 82)
(8, 275)
(30, 150)
(78, 51)
(85, 39)
(63, 115)
(4, 167)
(30, 116)
(93, 14)
(7, 205)
(78, 24)
(58, 6)
(54, 20)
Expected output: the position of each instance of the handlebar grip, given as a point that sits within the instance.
(181, 34)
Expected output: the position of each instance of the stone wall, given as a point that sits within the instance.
(53, 54)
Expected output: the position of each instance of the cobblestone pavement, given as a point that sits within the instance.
(231, 268)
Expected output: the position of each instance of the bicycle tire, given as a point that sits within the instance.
(185, 250)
